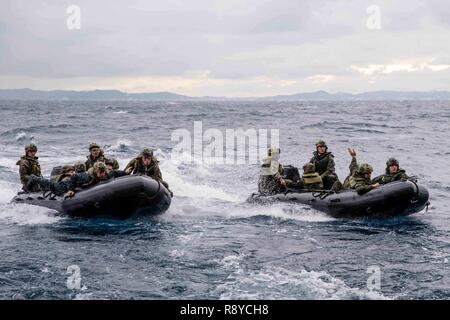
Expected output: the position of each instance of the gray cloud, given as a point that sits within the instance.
(232, 40)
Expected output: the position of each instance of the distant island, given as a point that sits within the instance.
(101, 95)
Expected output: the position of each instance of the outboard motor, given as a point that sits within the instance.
(56, 171)
(291, 173)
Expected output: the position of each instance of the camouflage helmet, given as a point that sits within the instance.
(110, 161)
(67, 168)
(365, 168)
(93, 145)
(99, 167)
(309, 167)
(79, 167)
(321, 143)
(147, 153)
(30, 147)
(392, 162)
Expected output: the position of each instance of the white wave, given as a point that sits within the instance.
(232, 262)
(21, 136)
(24, 214)
(202, 166)
(183, 175)
(176, 253)
(281, 211)
(121, 145)
(7, 191)
(120, 112)
(185, 189)
(280, 283)
(9, 163)
(84, 295)
(181, 186)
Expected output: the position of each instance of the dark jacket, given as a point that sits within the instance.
(324, 163)
(64, 175)
(101, 158)
(152, 170)
(400, 175)
(79, 180)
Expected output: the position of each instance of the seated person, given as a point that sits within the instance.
(66, 172)
(79, 166)
(310, 180)
(359, 178)
(93, 176)
(96, 155)
(323, 161)
(29, 165)
(146, 164)
(110, 163)
(393, 173)
(271, 172)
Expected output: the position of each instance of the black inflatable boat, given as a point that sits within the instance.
(393, 199)
(116, 198)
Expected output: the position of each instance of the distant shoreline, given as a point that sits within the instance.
(115, 95)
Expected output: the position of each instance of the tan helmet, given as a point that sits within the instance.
(321, 143)
(99, 167)
(309, 167)
(110, 161)
(79, 167)
(30, 147)
(147, 153)
(365, 168)
(93, 145)
(67, 168)
(392, 162)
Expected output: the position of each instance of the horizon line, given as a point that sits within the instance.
(231, 97)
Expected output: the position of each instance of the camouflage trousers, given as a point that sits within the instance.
(329, 180)
(58, 188)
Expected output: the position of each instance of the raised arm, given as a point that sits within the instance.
(353, 164)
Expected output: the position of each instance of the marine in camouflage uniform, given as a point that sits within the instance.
(93, 176)
(79, 167)
(324, 164)
(66, 172)
(310, 180)
(96, 155)
(113, 173)
(359, 178)
(391, 175)
(29, 165)
(137, 166)
(271, 174)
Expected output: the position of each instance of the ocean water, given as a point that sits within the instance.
(211, 244)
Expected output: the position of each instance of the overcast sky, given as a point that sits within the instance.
(226, 47)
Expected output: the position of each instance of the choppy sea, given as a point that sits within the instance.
(211, 244)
